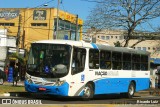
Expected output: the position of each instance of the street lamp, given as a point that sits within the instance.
(45, 5)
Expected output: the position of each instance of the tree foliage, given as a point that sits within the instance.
(123, 14)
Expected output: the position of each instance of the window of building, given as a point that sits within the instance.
(126, 61)
(116, 37)
(73, 27)
(153, 48)
(93, 59)
(138, 48)
(61, 24)
(7, 24)
(117, 60)
(121, 37)
(78, 62)
(107, 37)
(111, 36)
(39, 24)
(105, 59)
(148, 48)
(66, 28)
(103, 37)
(144, 48)
(67, 25)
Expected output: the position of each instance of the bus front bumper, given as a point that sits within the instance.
(53, 90)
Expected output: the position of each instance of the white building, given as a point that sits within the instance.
(5, 42)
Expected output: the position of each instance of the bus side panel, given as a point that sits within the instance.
(142, 84)
(110, 85)
(119, 85)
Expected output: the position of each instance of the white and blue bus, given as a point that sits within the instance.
(77, 68)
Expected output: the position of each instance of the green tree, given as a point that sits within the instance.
(117, 44)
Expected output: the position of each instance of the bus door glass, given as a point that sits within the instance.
(78, 60)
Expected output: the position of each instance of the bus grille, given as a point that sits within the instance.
(43, 83)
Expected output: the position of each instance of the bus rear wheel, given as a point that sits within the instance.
(88, 92)
(131, 91)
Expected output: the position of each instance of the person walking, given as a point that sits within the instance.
(6, 72)
(15, 74)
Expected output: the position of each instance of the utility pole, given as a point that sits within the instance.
(18, 35)
(57, 27)
(76, 32)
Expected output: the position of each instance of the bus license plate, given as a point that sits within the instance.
(42, 89)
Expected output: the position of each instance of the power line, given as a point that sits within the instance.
(95, 1)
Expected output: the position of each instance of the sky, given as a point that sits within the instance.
(79, 7)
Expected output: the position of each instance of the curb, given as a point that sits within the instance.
(18, 94)
(15, 94)
(6, 94)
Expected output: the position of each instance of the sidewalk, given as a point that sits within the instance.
(150, 91)
(19, 83)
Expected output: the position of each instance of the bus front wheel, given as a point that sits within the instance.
(131, 91)
(88, 92)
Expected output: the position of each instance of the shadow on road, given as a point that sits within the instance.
(61, 98)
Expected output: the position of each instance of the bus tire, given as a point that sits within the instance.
(88, 92)
(131, 91)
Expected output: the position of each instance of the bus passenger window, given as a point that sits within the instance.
(105, 59)
(78, 62)
(116, 60)
(126, 61)
(136, 62)
(144, 62)
(93, 59)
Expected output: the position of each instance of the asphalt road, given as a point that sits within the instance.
(24, 98)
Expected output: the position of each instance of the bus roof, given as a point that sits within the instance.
(94, 46)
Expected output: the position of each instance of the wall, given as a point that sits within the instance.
(3, 37)
(35, 23)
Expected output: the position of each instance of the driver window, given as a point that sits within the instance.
(78, 60)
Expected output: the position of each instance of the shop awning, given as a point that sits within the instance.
(155, 60)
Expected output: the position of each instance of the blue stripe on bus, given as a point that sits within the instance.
(54, 90)
(119, 85)
(94, 45)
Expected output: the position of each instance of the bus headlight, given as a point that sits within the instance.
(28, 78)
(59, 83)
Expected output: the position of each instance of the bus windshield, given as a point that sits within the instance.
(49, 60)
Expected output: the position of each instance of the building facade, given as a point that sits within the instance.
(32, 24)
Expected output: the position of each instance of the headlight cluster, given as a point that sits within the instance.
(28, 78)
(59, 83)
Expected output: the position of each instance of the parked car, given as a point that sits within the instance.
(2, 77)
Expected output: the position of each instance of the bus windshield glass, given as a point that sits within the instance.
(49, 60)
